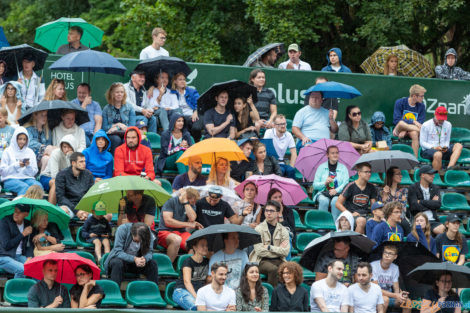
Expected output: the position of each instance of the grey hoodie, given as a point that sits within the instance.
(445, 71)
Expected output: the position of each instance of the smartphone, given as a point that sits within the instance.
(25, 160)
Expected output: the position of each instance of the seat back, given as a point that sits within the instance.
(303, 239)
(298, 222)
(456, 178)
(144, 293)
(112, 293)
(166, 185)
(465, 298)
(316, 219)
(16, 290)
(155, 140)
(454, 200)
(180, 261)
(84, 254)
(404, 148)
(269, 288)
(165, 266)
(170, 288)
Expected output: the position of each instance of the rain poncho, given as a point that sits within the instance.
(445, 71)
(382, 133)
(100, 164)
(343, 68)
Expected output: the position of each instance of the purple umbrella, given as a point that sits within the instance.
(291, 191)
(311, 156)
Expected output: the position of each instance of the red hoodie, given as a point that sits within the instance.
(133, 161)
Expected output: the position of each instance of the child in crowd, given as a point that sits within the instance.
(143, 131)
(379, 131)
(6, 131)
(378, 216)
(345, 221)
(43, 241)
(97, 229)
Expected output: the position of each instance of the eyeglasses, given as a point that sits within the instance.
(80, 274)
(356, 114)
(281, 124)
(270, 211)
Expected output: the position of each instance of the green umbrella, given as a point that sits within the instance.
(56, 214)
(111, 190)
(54, 34)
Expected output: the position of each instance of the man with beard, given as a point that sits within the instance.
(192, 177)
(216, 296)
(72, 183)
(365, 297)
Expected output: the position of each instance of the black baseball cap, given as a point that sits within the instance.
(452, 217)
(427, 169)
(23, 207)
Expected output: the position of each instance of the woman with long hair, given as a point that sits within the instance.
(391, 66)
(220, 174)
(266, 104)
(12, 100)
(44, 242)
(117, 115)
(56, 90)
(289, 296)
(355, 130)
(443, 295)
(265, 164)
(251, 295)
(421, 232)
(247, 118)
(250, 191)
(451, 246)
(86, 293)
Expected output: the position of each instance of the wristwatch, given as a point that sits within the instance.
(185, 203)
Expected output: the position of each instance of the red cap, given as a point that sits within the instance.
(441, 113)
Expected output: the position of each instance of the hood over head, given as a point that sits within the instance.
(139, 134)
(350, 218)
(100, 134)
(338, 52)
(453, 52)
(377, 117)
(70, 139)
(173, 119)
(14, 143)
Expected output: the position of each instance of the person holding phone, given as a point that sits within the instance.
(435, 141)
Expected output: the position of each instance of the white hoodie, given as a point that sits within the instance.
(10, 164)
(58, 160)
(350, 218)
(60, 131)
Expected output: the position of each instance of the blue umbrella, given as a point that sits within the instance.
(3, 39)
(334, 90)
(89, 61)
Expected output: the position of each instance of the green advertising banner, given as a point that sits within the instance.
(379, 93)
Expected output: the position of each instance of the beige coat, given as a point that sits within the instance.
(275, 251)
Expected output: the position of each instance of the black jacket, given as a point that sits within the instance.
(11, 237)
(71, 189)
(271, 166)
(415, 193)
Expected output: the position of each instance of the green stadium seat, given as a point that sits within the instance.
(303, 239)
(353, 178)
(84, 254)
(421, 159)
(142, 293)
(298, 222)
(308, 200)
(298, 175)
(464, 157)
(316, 220)
(465, 230)
(68, 240)
(376, 179)
(404, 148)
(457, 178)
(467, 264)
(437, 179)
(154, 139)
(289, 125)
(306, 287)
(269, 288)
(467, 256)
(406, 178)
(16, 291)
(157, 216)
(179, 262)
(308, 274)
(112, 293)
(465, 298)
(81, 241)
(165, 267)
(166, 185)
(460, 134)
(170, 288)
(452, 201)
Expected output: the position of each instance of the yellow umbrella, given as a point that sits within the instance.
(211, 149)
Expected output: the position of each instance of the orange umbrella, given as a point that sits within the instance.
(211, 149)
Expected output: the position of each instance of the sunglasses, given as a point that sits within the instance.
(215, 196)
(356, 114)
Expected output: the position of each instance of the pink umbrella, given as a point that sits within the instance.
(67, 262)
(291, 191)
(311, 156)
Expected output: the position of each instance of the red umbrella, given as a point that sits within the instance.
(67, 263)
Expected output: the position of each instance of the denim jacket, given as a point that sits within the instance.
(191, 95)
(37, 139)
(127, 116)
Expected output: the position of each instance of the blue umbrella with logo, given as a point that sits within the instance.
(334, 90)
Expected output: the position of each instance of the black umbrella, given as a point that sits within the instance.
(360, 244)
(410, 255)
(247, 236)
(171, 65)
(54, 110)
(235, 88)
(259, 53)
(13, 56)
(428, 273)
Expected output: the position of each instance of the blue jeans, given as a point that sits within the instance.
(324, 204)
(13, 266)
(162, 116)
(299, 145)
(19, 186)
(44, 180)
(151, 123)
(184, 299)
(287, 170)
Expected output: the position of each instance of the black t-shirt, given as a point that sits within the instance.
(358, 200)
(271, 229)
(213, 117)
(447, 307)
(95, 290)
(449, 250)
(135, 215)
(332, 167)
(182, 180)
(209, 215)
(198, 273)
(238, 171)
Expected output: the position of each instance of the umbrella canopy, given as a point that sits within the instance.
(171, 65)
(55, 214)
(291, 191)
(67, 263)
(311, 156)
(211, 149)
(3, 39)
(381, 161)
(54, 34)
(89, 61)
(247, 236)
(410, 62)
(360, 244)
(54, 110)
(228, 195)
(13, 56)
(280, 50)
(334, 90)
(111, 190)
(235, 88)
(428, 273)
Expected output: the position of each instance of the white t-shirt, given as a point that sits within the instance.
(303, 66)
(427, 196)
(281, 144)
(150, 53)
(365, 302)
(385, 278)
(334, 297)
(215, 301)
(336, 68)
(19, 250)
